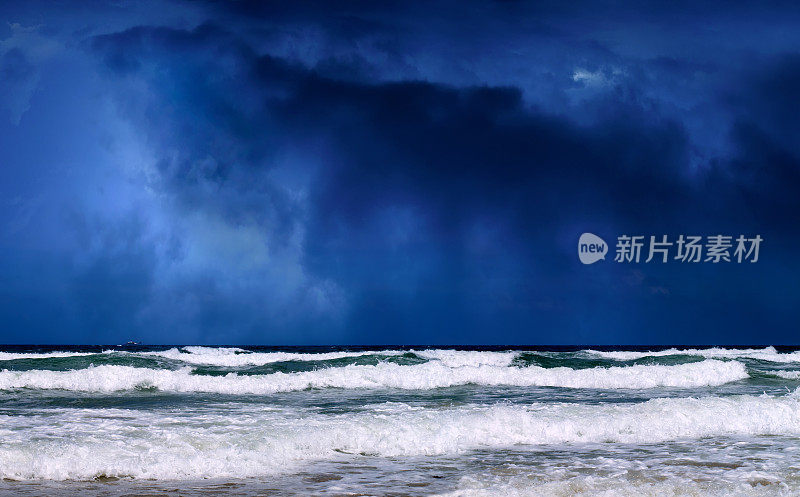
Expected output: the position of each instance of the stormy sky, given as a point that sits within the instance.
(305, 172)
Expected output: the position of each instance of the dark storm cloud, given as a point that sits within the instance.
(449, 150)
(766, 128)
(413, 172)
(391, 172)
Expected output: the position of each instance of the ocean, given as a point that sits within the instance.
(481, 421)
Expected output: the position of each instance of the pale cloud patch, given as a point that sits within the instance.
(21, 54)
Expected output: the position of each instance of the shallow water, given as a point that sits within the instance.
(328, 421)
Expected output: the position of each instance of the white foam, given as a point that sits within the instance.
(235, 357)
(458, 358)
(765, 354)
(253, 441)
(789, 375)
(13, 356)
(424, 376)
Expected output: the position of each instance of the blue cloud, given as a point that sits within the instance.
(390, 174)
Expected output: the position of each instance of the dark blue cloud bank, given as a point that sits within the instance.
(366, 172)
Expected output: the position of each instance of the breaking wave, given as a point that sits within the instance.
(429, 375)
(179, 445)
(234, 357)
(15, 356)
(769, 354)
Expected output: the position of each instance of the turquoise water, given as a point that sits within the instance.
(330, 421)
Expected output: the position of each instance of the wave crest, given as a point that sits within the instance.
(266, 441)
(425, 376)
(769, 354)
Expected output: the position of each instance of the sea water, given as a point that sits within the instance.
(399, 421)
